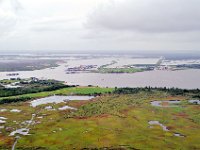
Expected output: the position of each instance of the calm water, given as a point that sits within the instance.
(194, 102)
(181, 79)
(158, 123)
(58, 99)
(171, 103)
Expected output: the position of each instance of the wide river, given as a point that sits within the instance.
(189, 79)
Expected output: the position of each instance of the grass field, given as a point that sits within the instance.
(64, 91)
(119, 70)
(110, 121)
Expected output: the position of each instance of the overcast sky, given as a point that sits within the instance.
(99, 25)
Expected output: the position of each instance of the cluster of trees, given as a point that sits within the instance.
(32, 87)
(128, 90)
(172, 91)
(16, 99)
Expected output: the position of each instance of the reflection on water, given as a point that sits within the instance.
(2, 120)
(58, 99)
(197, 102)
(165, 103)
(66, 107)
(22, 131)
(178, 135)
(158, 123)
(152, 123)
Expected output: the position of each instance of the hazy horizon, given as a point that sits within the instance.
(102, 51)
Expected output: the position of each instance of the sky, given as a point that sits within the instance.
(99, 25)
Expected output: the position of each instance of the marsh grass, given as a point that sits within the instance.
(110, 121)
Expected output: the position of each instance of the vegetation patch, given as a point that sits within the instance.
(116, 119)
(119, 70)
(27, 65)
(29, 86)
(68, 90)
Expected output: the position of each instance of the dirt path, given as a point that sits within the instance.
(18, 137)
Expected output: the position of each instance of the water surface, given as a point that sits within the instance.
(158, 123)
(58, 99)
(194, 102)
(182, 79)
(171, 103)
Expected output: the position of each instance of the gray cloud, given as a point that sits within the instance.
(8, 16)
(148, 16)
(100, 25)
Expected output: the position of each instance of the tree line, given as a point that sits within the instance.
(32, 87)
(172, 91)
